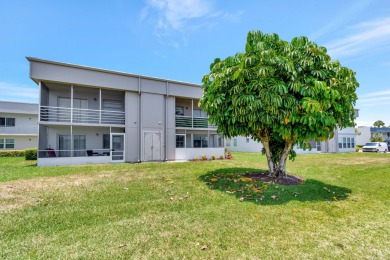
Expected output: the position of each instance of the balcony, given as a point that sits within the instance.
(193, 122)
(19, 130)
(82, 116)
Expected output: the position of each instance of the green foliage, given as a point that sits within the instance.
(379, 123)
(12, 153)
(31, 153)
(376, 138)
(280, 92)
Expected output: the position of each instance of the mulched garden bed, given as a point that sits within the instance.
(266, 177)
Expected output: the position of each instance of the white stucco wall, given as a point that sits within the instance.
(364, 136)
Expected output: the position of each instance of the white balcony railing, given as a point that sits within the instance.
(87, 116)
(193, 122)
(19, 130)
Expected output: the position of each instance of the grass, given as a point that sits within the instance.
(168, 210)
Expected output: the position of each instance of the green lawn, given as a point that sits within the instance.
(173, 210)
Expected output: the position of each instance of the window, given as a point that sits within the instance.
(352, 142)
(180, 141)
(7, 143)
(112, 105)
(64, 145)
(106, 141)
(340, 140)
(180, 111)
(349, 142)
(235, 142)
(200, 113)
(7, 121)
(344, 142)
(79, 145)
(247, 140)
(200, 141)
(228, 142)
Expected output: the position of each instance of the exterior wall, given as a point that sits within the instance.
(21, 142)
(365, 134)
(244, 144)
(133, 124)
(191, 153)
(25, 131)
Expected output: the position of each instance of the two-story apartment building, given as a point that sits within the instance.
(90, 115)
(18, 125)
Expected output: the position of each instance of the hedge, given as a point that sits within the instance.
(31, 153)
(12, 153)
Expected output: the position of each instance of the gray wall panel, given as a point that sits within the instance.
(80, 76)
(153, 111)
(181, 90)
(153, 86)
(131, 144)
(171, 144)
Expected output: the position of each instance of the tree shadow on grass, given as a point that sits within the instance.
(232, 181)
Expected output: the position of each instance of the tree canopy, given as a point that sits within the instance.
(280, 93)
(379, 123)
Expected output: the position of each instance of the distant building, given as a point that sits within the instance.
(18, 125)
(365, 133)
(343, 141)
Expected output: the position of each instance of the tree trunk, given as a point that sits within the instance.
(281, 166)
(271, 166)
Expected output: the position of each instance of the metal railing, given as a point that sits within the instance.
(19, 130)
(88, 116)
(51, 153)
(193, 122)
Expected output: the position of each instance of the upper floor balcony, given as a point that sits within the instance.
(193, 122)
(190, 115)
(82, 116)
(81, 105)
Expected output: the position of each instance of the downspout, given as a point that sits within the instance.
(166, 120)
(139, 120)
(71, 121)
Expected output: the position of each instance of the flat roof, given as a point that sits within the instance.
(110, 71)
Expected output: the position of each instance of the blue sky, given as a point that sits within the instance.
(178, 39)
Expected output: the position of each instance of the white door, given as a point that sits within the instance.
(117, 147)
(152, 146)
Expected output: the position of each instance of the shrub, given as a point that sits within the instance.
(195, 159)
(220, 157)
(31, 154)
(212, 157)
(13, 153)
(228, 155)
(204, 157)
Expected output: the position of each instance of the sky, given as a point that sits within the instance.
(178, 39)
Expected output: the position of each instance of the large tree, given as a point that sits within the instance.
(280, 93)
(379, 123)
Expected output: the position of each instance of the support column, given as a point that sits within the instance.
(100, 105)
(192, 112)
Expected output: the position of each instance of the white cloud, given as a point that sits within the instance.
(376, 94)
(353, 10)
(364, 37)
(176, 18)
(18, 92)
(174, 13)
